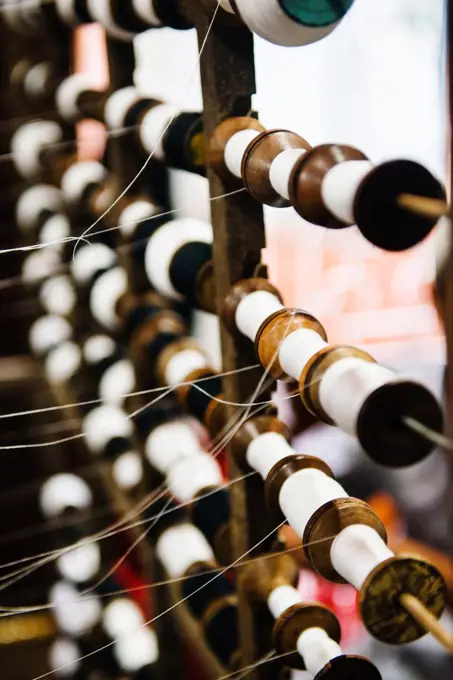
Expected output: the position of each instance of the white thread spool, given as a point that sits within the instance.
(356, 551)
(62, 363)
(135, 213)
(68, 92)
(89, 259)
(40, 264)
(169, 443)
(118, 104)
(281, 599)
(191, 475)
(317, 649)
(79, 176)
(67, 11)
(344, 387)
(182, 364)
(37, 78)
(117, 382)
(253, 309)
(303, 493)
(235, 149)
(163, 245)
(103, 424)
(339, 188)
(54, 231)
(226, 5)
(267, 449)
(127, 470)
(81, 564)
(33, 201)
(74, 615)
(181, 546)
(136, 649)
(27, 143)
(104, 297)
(57, 295)
(101, 11)
(64, 657)
(63, 491)
(121, 616)
(47, 332)
(281, 168)
(98, 347)
(153, 127)
(297, 349)
(146, 12)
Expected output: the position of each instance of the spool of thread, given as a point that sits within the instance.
(62, 491)
(62, 363)
(153, 127)
(180, 547)
(48, 332)
(28, 142)
(356, 551)
(34, 202)
(253, 310)
(236, 148)
(106, 291)
(103, 424)
(191, 475)
(169, 443)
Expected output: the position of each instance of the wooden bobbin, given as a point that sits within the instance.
(280, 472)
(273, 332)
(379, 599)
(325, 525)
(216, 418)
(249, 431)
(238, 292)
(306, 182)
(205, 288)
(261, 577)
(219, 139)
(297, 619)
(166, 321)
(165, 356)
(314, 370)
(257, 161)
(91, 104)
(349, 667)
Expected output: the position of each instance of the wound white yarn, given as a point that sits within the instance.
(133, 214)
(356, 551)
(103, 424)
(182, 364)
(55, 229)
(226, 5)
(235, 149)
(33, 201)
(66, 10)
(104, 297)
(47, 332)
(179, 547)
(192, 474)
(101, 11)
(98, 347)
(297, 349)
(281, 168)
(145, 10)
(127, 470)
(117, 382)
(57, 295)
(63, 491)
(89, 259)
(40, 265)
(317, 649)
(268, 20)
(253, 309)
(136, 650)
(35, 81)
(81, 564)
(74, 615)
(281, 599)
(152, 127)
(79, 176)
(121, 616)
(62, 363)
(344, 387)
(267, 449)
(27, 143)
(169, 443)
(339, 188)
(64, 656)
(68, 92)
(303, 493)
(118, 104)
(163, 245)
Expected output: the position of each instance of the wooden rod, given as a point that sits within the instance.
(427, 620)
(421, 205)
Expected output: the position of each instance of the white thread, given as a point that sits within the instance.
(136, 650)
(27, 143)
(103, 424)
(317, 649)
(281, 168)
(356, 551)
(226, 5)
(134, 213)
(182, 364)
(181, 546)
(54, 231)
(268, 20)
(98, 347)
(79, 176)
(118, 104)
(101, 11)
(152, 127)
(127, 470)
(66, 10)
(191, 475)
(74, 615)
(63, 491)
(40, 265)
(169, 443)
(163, 245)
(267, 449)
(81, 564)
(104, 296)
(11, 14)
(89, 259)
(57, 295)
(35, 81)
(33, 201)
(117, 381)
(47, 332)
(63, 362)
(339, 188)
(145, 10)
(121, 616)
(68, 92)
(303, 493)
(64, 652)
(253, 309)
(297, 349)
(235, 149)
(346, 384)
(281, 599)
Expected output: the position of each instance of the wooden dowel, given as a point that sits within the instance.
(429, 622)
(421, 205)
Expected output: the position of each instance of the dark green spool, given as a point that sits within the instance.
(316, 13)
